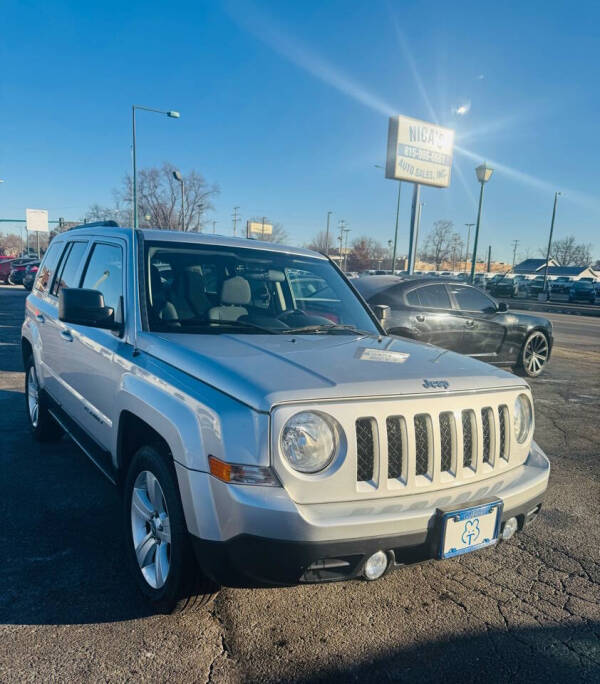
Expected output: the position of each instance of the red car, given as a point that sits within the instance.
(5, 266)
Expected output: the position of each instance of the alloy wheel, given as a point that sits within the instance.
(33, 398)
(535, 353)
(151, 529)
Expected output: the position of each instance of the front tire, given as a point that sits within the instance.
(159, 552)
(534, 354)
(43, 426)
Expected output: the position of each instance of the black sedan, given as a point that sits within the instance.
(461, 318)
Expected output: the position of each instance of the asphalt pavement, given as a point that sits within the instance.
(528, 610)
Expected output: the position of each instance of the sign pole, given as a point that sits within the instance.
(413, 224)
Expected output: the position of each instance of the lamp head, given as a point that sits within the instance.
(177, 176)
(173, 114)
(484, 172)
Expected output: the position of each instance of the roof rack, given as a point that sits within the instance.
(97, 224)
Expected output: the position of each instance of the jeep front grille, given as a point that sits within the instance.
(365, 449)
(445, 446)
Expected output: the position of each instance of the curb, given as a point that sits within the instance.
(529, 305)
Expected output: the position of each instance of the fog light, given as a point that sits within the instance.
(510, 527)
(375, 566)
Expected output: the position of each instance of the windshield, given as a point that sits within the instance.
(213, 289)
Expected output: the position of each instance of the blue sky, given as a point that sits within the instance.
(285, 105)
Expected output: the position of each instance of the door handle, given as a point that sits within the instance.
(66, 335)
(420, 318)
(470, 323)
(39, 317)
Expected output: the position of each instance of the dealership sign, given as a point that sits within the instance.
(419, 152)
(37, 220)
(258, 228)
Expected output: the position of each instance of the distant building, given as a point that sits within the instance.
(533, 266)
(575, 272)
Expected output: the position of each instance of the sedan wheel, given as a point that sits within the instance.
(534, 356)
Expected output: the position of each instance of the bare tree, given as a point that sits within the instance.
(570, 253)
(11, 245)
(321, 243)
(365, 253)
(440, 242)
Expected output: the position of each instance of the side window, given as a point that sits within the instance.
(47, 267)
(412, 298)
(69, 267)
(434, 297)
(471, 299)
(104, 272)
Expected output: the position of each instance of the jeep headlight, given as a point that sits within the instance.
(522, 418)
(310, 441)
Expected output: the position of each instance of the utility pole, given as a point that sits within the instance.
(235, 220)
(346, 230)
(262, 232)
(469, 226)
(327, 233)
(556, 194)
(515, 244)
(214, 224)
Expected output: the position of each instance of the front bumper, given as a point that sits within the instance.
(257, 536)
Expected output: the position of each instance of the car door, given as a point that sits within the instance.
(89, 361)
(429, 310)
(483, 325)
(52, 330)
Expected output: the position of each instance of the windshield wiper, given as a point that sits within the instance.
(233, 324)
(324, 329)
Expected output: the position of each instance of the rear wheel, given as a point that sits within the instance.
(158, 546)
(43, 426)
(534, 354)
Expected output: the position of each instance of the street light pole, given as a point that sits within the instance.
(556, 194)
(327, 234)
(346, 230)
(484, 173)
(171, 114)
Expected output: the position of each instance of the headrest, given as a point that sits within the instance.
(156, 286)
(236, 291)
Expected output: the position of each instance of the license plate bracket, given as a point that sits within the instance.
(463, 530)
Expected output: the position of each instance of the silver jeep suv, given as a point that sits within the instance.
(261, 427)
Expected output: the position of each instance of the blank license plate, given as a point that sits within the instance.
(470, 529)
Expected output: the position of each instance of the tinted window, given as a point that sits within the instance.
(46, 272)
(434, 297)
(471, 299)
(413, 298)
(69, 267)
(104, 272)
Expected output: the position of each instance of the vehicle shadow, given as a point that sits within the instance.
(61, 538)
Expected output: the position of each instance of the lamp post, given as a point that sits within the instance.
(484, 173)
(556, 194)
(346, 231)
(378, 166)
(469, 226)
(171, 114)
(179, 178)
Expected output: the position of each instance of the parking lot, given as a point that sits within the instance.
(527, 610)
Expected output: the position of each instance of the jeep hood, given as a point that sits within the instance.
(264, 370)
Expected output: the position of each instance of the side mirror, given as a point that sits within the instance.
(86, 307)
(382, 311)
(502, 306)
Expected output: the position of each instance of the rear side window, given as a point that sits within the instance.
(48, 266)
(412, 298)
(471, 299)
(434, 297)
(104, 272)
(69, 267)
